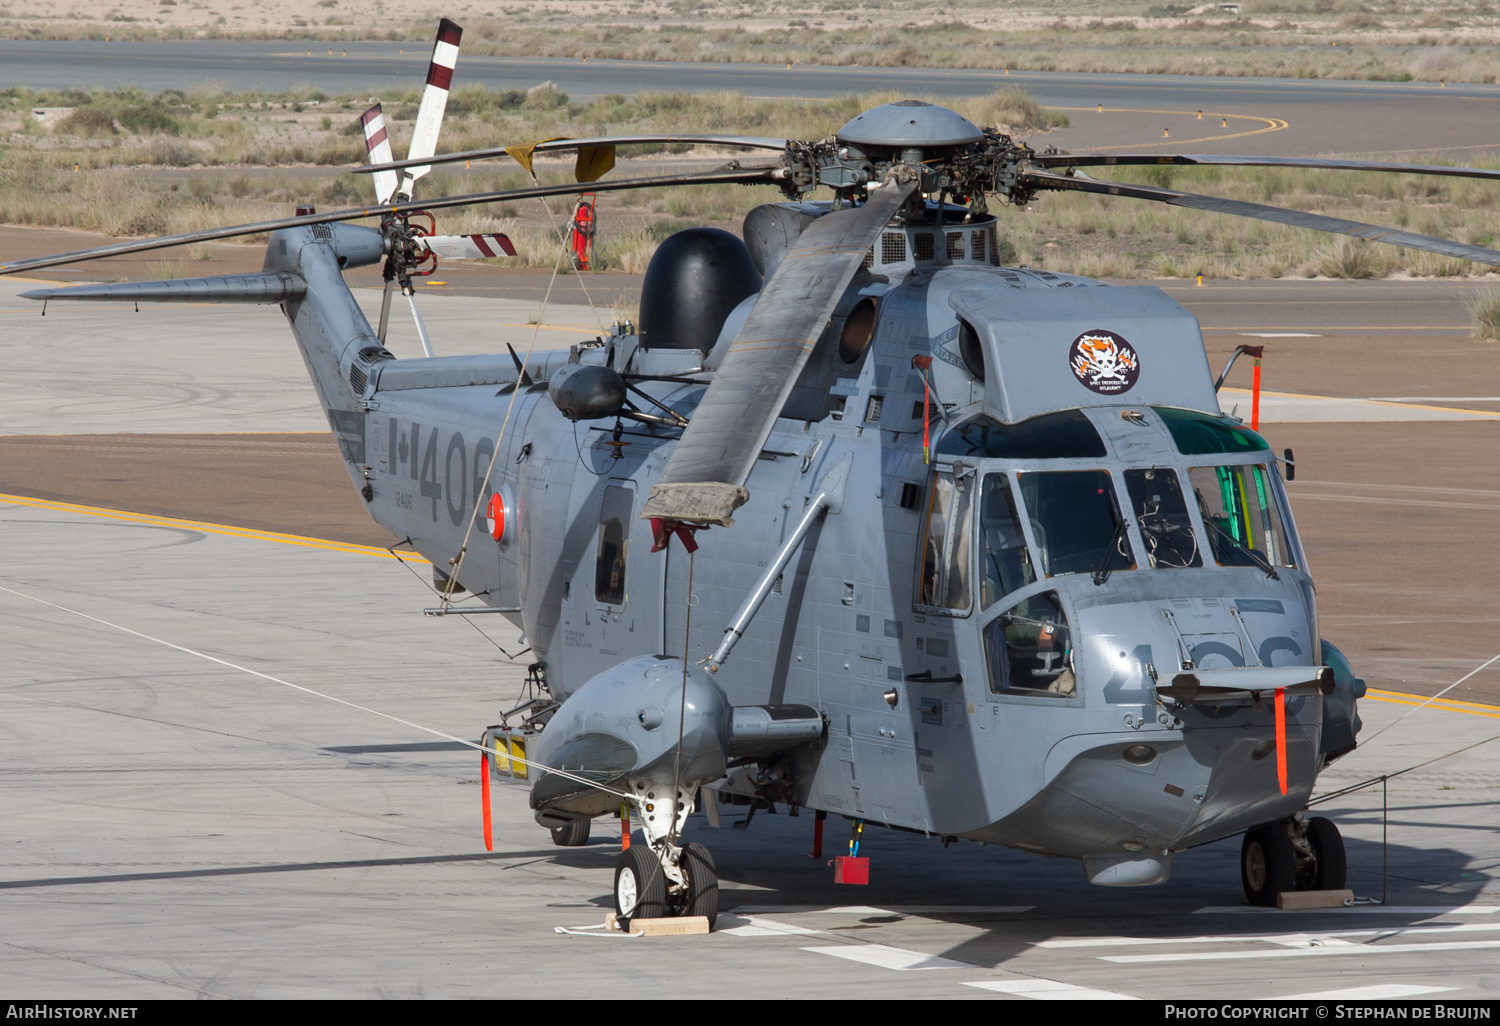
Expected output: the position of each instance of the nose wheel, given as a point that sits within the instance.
(648, 886)
(1291, 856)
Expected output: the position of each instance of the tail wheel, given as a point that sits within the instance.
(1268, 864)
(703, 883)
(1328, 850)
(640, 885)
(575, 834)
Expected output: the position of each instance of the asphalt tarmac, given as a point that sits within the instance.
(1156, 113)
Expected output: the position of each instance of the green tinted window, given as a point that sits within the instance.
(1199, 433)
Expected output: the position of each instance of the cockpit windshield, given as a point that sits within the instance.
(1239, 509)
(1162, 515)
(1078, 527)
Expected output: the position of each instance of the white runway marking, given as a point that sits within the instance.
(1049, 990)
(1378, 992)
(759, 926)
(1285, 939)
(890, 958)
(1334, 947)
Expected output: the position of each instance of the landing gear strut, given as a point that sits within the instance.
(661, 878)
(1292, 855)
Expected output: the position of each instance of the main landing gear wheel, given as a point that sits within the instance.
(1329, 869)
(697, 866)
(575, 834)
(1268, 863)
(640, 886)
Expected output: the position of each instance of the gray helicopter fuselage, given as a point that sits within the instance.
(928, 726)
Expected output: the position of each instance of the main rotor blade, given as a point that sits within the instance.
(1215, 160)
(434, 102)
(745, 176)
(704, 480)
(752, 142)
(1261, 212)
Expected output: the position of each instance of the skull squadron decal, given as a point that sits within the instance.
(1104, 362)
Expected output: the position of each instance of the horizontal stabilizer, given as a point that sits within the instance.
(229, 288)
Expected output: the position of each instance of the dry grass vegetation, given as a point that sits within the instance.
(1359, 39)
(126, 163)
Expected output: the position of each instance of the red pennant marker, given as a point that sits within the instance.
(1281, 738)
(1255, 398)
(484, 798)
(624, 827)
(1255, 353)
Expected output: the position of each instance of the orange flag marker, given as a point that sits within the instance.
(1281, 738)
(484, 798)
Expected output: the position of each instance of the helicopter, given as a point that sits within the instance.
(983, 557)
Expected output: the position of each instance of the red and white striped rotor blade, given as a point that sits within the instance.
(469, 247)
(378, 146)
(434, 102)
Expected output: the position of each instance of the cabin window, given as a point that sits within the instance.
(1077, 526)
(1029, 648)
(1005, 562)
(1239, 510)
(945, 545)
(1161, 513)
(609, 566)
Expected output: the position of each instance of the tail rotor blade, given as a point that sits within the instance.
(434, 102)
(378, 146)
(469, 247)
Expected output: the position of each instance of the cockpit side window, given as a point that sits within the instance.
(1161, 513)
(1029, 648)
(1239, 509)
(946, 544)
(1077, 526)
(609, 565)
(1005, 562)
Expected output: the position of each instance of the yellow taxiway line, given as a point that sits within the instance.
(1270, 125)
(1449, 704)
(152, 520)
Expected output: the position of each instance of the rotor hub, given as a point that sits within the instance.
(909, 125)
